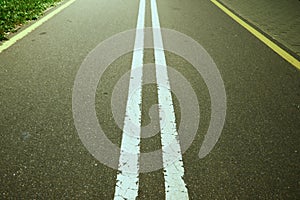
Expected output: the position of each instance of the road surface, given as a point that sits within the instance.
(43, 155)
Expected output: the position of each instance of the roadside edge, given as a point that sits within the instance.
(29, 29)
(260, 35)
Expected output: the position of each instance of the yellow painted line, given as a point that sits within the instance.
(288, 57)
(25, 32)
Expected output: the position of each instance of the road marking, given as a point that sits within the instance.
(175, 187)
(29, 29)
(288, 57)
(128, 177)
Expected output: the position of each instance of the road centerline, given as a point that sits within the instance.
(128, 176)
(175, 187)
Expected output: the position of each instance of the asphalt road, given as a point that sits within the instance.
(42, 156)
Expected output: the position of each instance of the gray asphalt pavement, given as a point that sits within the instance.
(42, 156)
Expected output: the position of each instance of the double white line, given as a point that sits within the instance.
(128, 177)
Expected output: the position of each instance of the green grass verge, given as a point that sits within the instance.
(14, 13)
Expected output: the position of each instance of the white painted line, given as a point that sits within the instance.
(128, 177)
(25, 32)
(172, 159)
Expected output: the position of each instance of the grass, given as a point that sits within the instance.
(14, 13)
